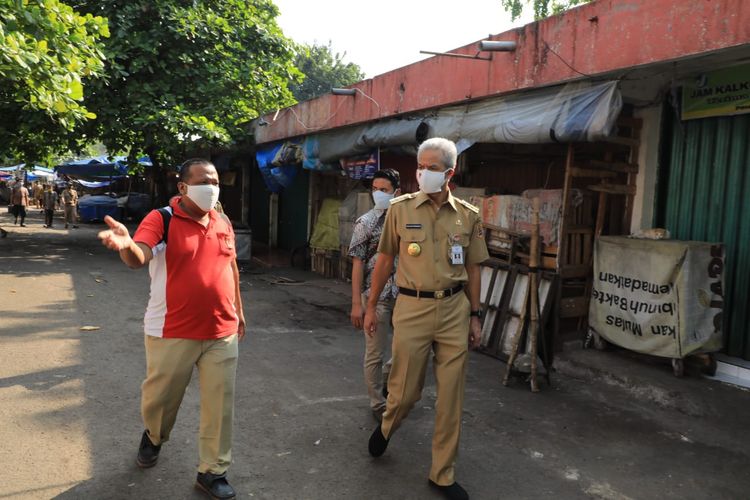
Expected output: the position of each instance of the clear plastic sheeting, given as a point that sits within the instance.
(576, 112)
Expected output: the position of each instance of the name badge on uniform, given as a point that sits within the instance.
(457, 254)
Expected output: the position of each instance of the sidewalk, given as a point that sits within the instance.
(608, 428)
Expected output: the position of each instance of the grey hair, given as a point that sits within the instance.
(445, 147)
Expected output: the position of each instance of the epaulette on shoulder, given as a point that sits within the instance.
(407, 196)
(468, 205)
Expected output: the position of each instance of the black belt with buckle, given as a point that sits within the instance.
(439, 294)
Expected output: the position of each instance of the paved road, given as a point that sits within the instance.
(69, 403)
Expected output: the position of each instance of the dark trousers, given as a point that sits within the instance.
(20, 211)
(48, 213)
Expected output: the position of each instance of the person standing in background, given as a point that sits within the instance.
(20, 200)
(50, 200)
(70, 202)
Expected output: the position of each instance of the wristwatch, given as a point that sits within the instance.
(477, 313)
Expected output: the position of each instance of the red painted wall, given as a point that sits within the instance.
(600, 37)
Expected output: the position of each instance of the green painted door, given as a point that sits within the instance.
(293, 212)
(704, 195)
(259, 196)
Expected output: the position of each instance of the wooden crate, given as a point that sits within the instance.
(345, 265)
(325, 262)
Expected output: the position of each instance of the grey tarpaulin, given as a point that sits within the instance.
(574, 112)
(331, 146)
(579, 111)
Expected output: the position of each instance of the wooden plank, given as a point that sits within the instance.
(574, 307)
(564, 220)
(575, 271)
(588, 248)
(592, 172)
(613, 189)
(615, 166)
(494, 343)
(488, 297)
(629, 121)
(623, 141)
(600, 211)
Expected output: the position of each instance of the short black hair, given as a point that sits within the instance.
(390, 175)
(185, 167)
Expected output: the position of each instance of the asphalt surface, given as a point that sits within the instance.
(70, 422)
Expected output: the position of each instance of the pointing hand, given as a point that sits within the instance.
(116, 237)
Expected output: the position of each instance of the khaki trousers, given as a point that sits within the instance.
(376, 347)
(169, 366)
(70, 214)
(421, 326)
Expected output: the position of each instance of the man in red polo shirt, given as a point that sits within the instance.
(194, 318)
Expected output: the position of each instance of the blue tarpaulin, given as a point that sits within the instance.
(275, 177)
(18, 171)
(100, 166)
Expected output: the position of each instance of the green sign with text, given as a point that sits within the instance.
(719, 93)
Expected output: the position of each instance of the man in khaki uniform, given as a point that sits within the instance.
(70, 202)
(439, 243)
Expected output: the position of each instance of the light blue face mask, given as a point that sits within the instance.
(382, 200)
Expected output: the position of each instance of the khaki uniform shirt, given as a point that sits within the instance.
(70, 198)
(413, 221)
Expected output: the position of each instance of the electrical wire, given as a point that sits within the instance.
(370, 98)
(330, 117)
(317, 127)
(565, 62)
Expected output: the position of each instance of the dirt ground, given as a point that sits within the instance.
(70, 422)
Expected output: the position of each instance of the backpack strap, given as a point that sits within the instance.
(224, 217)
(166, 216)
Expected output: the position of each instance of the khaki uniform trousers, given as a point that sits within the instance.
(169, 366)
(421, 326)
(70, 214)
(376, 348)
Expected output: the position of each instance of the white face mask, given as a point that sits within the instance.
(382, 200)
(203, 195)
(430, 182)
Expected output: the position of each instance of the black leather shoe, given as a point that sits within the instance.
(148, 452)
(378, 443)
(451, 492)
(215, 486)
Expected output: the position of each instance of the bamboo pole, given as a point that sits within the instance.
(534, 258)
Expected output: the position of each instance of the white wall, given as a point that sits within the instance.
(648, 160)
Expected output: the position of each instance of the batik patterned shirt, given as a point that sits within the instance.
(364, 246)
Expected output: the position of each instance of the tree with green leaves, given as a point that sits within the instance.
(187, 74)
(542, 8)
(323, 69)
(48, 52)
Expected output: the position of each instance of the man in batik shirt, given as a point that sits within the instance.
(363, 250)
